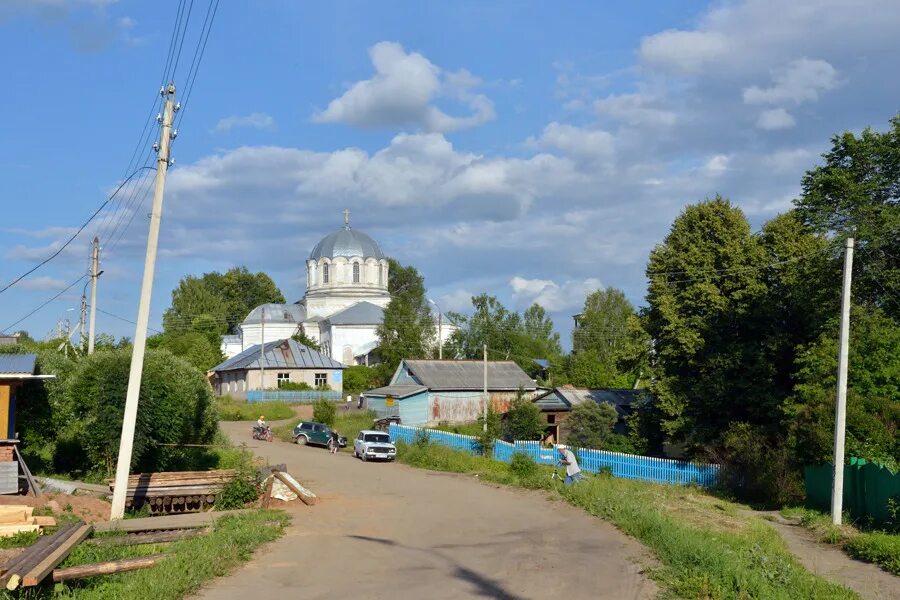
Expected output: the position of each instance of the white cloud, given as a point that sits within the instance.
(576, 141)
(552, 296)
(775, 118)
(801, 81)
(685, 51)
(254, 120)
(716, 165)
(402, 93)
(635, 109)
(42, 283)
(456, 301)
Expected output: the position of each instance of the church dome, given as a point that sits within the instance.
(346, 242)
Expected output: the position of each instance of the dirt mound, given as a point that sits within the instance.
(87, 508)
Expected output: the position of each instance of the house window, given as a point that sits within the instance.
(324, 273)
(283, 378)
(355, 272)
(321, 379)
(551, 419)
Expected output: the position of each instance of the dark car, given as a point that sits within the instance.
(308, 432)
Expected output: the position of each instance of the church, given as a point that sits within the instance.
(346, 293)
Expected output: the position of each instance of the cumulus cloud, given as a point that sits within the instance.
(801, 81)
(775, 118)
(43, 283)
(552, 296)
(253, 120)
(683, 51)
(576, 141)
(635, 109)
(402, 93)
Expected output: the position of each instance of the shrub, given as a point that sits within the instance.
(878, 547)
(324, 411)
(494, 427)
(358, 378)
(294, 386)
(523, 420)
(522, 466)
(757, 467)
(591, 424)
(421, 439)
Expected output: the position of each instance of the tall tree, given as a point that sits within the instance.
(857, 193)
(408, 328)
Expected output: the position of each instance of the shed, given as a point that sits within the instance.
(556, 404)
(425, 392)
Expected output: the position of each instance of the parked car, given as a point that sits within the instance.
(308, 432)
(374, 445)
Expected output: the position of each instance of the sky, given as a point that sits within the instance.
(531, 150)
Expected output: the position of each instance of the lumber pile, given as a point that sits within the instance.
(16, 518)
(32, 566)
(176, 491)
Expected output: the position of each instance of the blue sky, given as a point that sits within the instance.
(530, 150)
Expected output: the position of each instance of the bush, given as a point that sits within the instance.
(175, 407)
(522, 466)
(523, 420)
(494, 428)
(421, 439)
(324, 411)
(878, 547)
(591, 425)
(294, 386)
(758, 468)
(358, 378)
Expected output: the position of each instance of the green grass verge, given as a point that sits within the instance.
(348, 424)
(879, 547)
(706, 549)
(189, 565)
(473, 428)
(230, 409)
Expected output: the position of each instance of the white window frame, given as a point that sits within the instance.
(282, 378)
(320, 379)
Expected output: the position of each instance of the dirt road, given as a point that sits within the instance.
(390, 531)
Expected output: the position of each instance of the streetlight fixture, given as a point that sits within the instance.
(440, 330)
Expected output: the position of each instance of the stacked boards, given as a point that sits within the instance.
(16, 518)
(176, 491)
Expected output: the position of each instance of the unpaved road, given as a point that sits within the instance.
(391, 531)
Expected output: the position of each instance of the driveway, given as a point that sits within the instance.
(384, 530)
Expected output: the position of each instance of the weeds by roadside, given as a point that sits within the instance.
(706, 549)
(230, 409)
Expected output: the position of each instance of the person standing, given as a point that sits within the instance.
(349, 402)
(573, 471)
(333, 442)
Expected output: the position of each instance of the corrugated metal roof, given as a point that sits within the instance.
(564, 398)
(17, 363)
(283, 354)
(552, 401)
(361, 313)
(469, 375)
(398, 391)
(276, 313)
(346, 242)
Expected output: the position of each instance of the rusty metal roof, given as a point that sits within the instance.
(469, 375)
(280, 354)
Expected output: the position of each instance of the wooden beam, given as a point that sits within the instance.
(44, 521)
(186, 521)
(304, 494)
(107, 568)
(16, 568)
(46, 566)
(267, 493)
(159, 537)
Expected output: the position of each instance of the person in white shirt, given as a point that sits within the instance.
(573, 471)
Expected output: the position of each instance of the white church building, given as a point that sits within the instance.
(346, 293)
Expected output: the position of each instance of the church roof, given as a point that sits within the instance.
(276, 313)
(361, 313)
(346, 242)
(280, 354)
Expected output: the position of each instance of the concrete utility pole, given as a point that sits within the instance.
(82, 321)
(840, 411)
(123, 463)
(486, 397)
(95, 265)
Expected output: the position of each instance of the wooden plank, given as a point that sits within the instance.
(159, 537)
(267, 494)
(14, 508)
(35, 488)
(13, 516)
(11, 530)
(44, 521)
(186, 521)
(107, 568)
(46, 566)
(307, 496)
(34, 555)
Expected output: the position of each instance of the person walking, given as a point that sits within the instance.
(573, 471)
(349, 404)
(333, 442)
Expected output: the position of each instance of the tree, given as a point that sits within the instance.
(407, 330)
(857, 193)
(324, 411)
(359, 378)
(301, 338)
(591, 424)
(193, 346)
(523, 420)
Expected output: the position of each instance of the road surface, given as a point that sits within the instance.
(385, 530)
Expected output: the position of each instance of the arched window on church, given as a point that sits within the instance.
(324, 273)
(356, 272)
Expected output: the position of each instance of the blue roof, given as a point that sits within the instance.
(280, 354)
(17, 363)
(346, 242)
(361, 313)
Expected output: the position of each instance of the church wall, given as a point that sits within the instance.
(359, 338)
(274, 331)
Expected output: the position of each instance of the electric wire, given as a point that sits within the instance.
(46, 302)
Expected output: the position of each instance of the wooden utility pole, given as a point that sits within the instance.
(486, 398)
(840, 410)
(82, 322)
(123, 463)
(95, 264)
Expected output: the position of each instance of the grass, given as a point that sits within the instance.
(706, 549)
(189, 565)
(879, 547)
(348, 424)
(473, 428)
(230, 409)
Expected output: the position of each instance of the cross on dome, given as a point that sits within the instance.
(346, 218)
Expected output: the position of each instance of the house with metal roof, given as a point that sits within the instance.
(556, 404)
(274, 365)
(423, 392)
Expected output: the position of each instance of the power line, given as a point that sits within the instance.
(181, 43)
(199, 52)
(726, 272)
(121, 318)
(42, 305)
(69, 241)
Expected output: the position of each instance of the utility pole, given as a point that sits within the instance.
(123, 464)
(486, 398)
(95, 264)
(840, 411)
(82, 319)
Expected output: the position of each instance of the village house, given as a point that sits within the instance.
(425, 392)
(557, 403)
(282, 361)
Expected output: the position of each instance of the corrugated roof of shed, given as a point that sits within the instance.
(398, 391)
(283, 354)
(469, 374)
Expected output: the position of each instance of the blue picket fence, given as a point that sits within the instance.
(627, 466)
(292, 397)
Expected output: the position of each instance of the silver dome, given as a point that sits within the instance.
(346, 242)
(276, 313)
